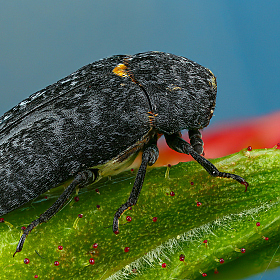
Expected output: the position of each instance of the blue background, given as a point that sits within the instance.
(43, 41)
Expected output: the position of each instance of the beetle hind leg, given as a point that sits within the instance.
(83, 178)
(149, 157)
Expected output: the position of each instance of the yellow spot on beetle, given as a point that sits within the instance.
(173, 87)
(176, 88)
(120, 70)
(213, 80)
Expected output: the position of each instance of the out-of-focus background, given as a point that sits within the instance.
(43, 41)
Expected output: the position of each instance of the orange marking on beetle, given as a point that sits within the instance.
(120, 70)
(151, 117)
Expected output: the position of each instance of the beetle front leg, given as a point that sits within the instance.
(178, 144)
(149, 157)
(82, 178)
(196, 141)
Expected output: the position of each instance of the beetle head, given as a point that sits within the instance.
(182, 93)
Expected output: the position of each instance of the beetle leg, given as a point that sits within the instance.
(176, 143)
(196, 141)
(82, 178)
(149, 157)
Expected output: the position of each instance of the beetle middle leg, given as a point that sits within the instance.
(178, 144)
(149, 157)
(81, 179)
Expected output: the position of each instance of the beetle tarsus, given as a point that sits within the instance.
(16, 252)
(246, 184)
(82, 178)
(235, 177)
(149, 157)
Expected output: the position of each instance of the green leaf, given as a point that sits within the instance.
(226, 218)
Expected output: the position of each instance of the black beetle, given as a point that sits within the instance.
(94, 122)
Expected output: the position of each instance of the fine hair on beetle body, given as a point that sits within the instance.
(94, 122)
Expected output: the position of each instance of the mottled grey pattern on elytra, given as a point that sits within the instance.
(93, 116)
